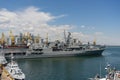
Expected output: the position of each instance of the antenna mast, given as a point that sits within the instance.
(65, 36)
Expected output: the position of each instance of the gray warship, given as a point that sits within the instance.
(70, 47)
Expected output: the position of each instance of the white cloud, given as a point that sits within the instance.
(35, 21)
(99, 33)
(87, 27)
(31, 20)
(82, 26)
(60, 16)
(100, 38)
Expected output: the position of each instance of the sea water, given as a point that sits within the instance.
(70, 68)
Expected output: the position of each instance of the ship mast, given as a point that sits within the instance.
(68, 39)
(65, 36)
(47, 39)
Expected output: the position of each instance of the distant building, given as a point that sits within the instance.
(9, 42)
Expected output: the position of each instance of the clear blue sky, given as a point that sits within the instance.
(104, 15)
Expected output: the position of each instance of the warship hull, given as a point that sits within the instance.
(48, 54)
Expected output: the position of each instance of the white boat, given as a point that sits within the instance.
(15, 72)
(112, 74)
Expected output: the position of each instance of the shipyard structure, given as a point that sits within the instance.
(21, 40)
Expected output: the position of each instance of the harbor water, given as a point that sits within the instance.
(69, 68)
